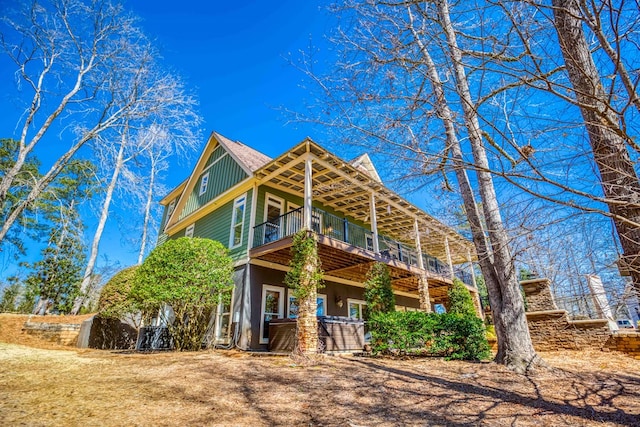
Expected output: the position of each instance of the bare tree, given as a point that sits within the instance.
(161, 106)
(397, 100)
(66, 53)
(617, 170)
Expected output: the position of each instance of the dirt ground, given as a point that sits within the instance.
(43, 384)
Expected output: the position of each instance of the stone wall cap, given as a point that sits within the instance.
(549, 313)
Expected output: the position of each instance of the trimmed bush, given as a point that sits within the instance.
(460, 301)
(449, 335)
(115, 300)
(191, 276)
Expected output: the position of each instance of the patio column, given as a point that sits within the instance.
(448, 252)
(418, 244)
(423, 283)
(307, 212)
(374, 223)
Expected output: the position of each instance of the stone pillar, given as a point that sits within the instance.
(423, 292)
(538, 295)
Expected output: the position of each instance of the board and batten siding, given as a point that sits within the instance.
(223, 172)
(217, 226)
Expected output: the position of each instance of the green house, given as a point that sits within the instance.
(254, 204)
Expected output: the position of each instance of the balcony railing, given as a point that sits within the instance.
(332, 226)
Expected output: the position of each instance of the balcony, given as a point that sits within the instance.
(342, 230)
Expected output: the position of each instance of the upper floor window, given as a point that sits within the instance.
(204, 181)
(170, 209)
(237, 221)
(189, 231)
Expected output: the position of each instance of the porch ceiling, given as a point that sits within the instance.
(352, 263)
(338, 184)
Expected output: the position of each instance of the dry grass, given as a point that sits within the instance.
(48, 386)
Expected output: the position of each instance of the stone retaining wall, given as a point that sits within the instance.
(552, 330)
(626, 342)
(59, 333)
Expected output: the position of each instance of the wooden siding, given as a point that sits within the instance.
(224, 173)
(217, 226)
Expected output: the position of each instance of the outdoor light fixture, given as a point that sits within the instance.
(339, 301)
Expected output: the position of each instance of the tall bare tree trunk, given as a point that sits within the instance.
(147, 209)
(617, 173)
(514, 341)
(104, 215)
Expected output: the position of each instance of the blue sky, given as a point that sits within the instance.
(233, 58)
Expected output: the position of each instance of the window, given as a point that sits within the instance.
(189, 231)
(292, 306)
(356, 308)
(237, 221)
(272, 308)
(204, 181)
(170, 209)
(222, 323)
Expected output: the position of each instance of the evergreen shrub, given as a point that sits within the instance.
(450, 335)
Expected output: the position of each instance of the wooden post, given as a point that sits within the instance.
(448, 252)
(374, 224)
(307, 211)
(418, 244)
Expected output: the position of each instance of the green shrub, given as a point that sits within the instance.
(378, 292)
(460, 301)
(191, 276)
(450, 335)
(115, 300)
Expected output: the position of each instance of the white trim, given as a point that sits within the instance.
(170, 209)
(204, 183)
(280, 313)
(360, 302)
(238, 202)
(188, 232)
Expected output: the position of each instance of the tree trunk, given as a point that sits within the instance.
(93, 256)
(617, 173)
(147, 210)
(514, 341)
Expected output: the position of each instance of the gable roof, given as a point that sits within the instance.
(364, 164)
(249, 158)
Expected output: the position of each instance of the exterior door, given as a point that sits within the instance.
(273, 218)
(272, 308)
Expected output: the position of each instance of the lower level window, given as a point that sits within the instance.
(356, 308)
